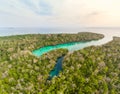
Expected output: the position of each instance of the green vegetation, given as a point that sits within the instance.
(93, 70)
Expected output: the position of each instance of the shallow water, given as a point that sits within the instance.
(70, 46)
(73, 46)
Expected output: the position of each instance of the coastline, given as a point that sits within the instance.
(86, 66)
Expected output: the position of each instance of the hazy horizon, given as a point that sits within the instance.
(58, 16)
(108, 32)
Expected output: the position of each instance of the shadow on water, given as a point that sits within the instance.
(57, 68)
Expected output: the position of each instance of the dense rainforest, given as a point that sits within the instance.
(92, 70)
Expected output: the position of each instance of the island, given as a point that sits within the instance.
(91, 70)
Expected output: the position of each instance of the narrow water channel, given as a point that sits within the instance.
(57, 68)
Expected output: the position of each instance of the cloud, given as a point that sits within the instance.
(60, 12)
(40, 7)
(26, 7)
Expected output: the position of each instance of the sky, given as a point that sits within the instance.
(59, 13)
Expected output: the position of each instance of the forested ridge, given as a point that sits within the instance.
(92, 70)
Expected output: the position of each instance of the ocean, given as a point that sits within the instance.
(108, 32)
(22, 31)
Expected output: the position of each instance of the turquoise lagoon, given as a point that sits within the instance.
(72, 46)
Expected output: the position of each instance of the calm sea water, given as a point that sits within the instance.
(18, 31)
(21, 31)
